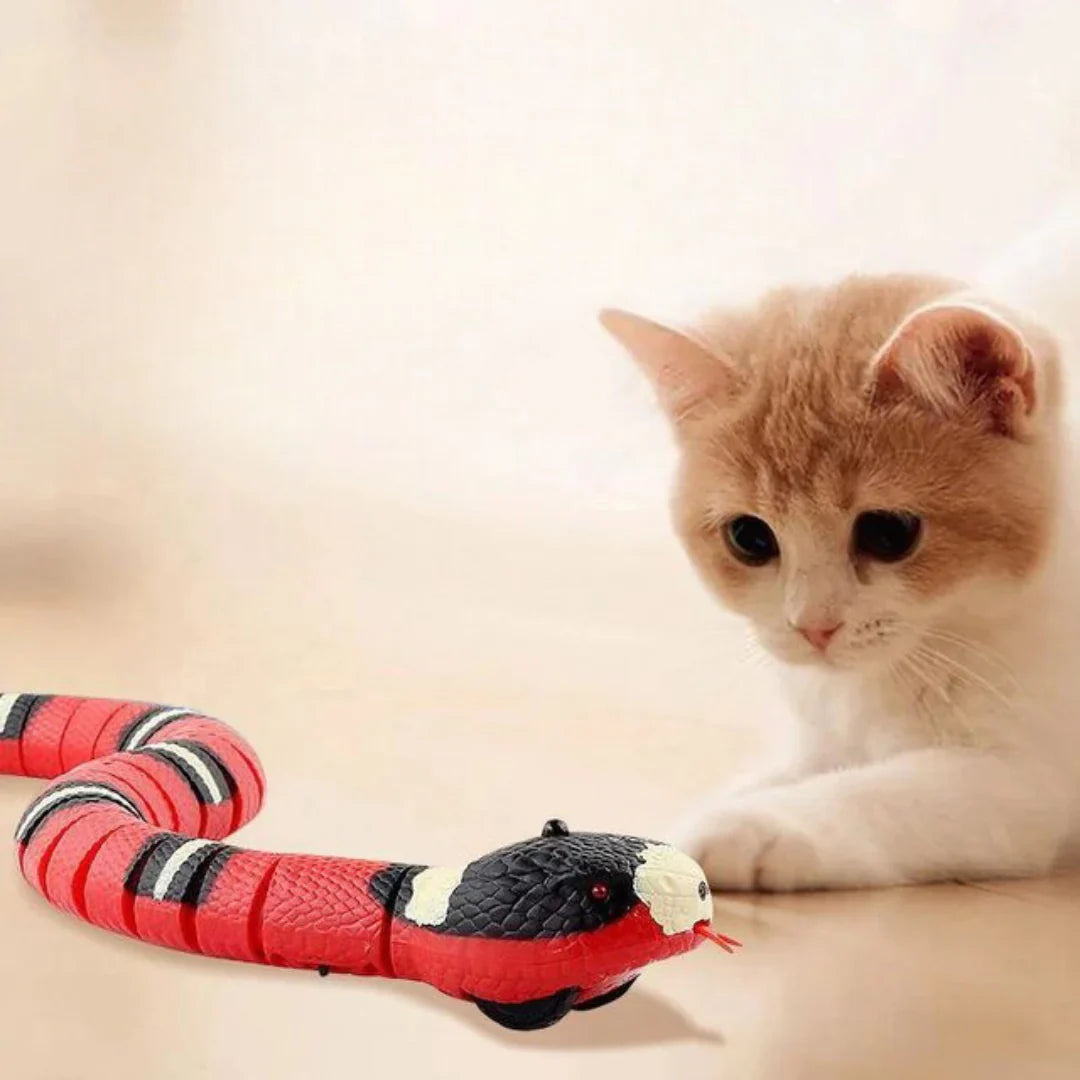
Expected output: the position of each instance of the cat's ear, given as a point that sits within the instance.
(960, 358)
(684, 373)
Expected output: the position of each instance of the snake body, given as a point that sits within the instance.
(130, 836)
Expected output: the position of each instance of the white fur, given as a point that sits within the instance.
(967, 765)
(976, 774)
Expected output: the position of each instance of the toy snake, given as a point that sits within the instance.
(129, 837)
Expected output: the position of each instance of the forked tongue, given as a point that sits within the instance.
(728, 944)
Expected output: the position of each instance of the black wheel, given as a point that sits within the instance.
(606, 999)
(530, 1015)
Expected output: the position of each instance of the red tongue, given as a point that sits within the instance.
(728, 944)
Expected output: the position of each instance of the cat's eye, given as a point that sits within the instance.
(886, 535)
(751, 540)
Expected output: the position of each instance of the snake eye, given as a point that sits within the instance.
(702, 890)
(600, 891)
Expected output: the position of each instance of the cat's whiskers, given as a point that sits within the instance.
(941, 669)
(963, 674)
(996, 666)
(950, 715)
(899, 671)
(910, 679)
(929, 679)
(993, 659)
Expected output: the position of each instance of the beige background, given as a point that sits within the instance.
(304, 420)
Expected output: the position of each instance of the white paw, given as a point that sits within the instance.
(751, 849)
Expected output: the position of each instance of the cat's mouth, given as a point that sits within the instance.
(855, 651)
(871, 642)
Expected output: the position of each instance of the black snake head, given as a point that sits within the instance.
(557, 884)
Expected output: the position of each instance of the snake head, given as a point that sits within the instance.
(557, 922)
(560, 884)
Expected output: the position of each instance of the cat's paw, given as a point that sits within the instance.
(744, 849)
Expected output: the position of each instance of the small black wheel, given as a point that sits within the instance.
(606, 999)
(530, 1015)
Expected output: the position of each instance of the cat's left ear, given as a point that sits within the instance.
(685, 374)
(960, 358)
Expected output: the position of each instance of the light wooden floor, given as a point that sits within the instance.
(429, 700)
(305, 420)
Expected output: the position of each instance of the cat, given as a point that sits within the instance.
(875, 475)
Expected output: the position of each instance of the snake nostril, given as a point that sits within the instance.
(702, 890)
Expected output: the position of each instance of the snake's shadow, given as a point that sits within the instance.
(642, 1018)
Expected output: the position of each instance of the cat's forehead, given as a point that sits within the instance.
(801, 426)
(795, 446)
(808, 447)
(803, 459)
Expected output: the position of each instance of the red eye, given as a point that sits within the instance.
(599, 892)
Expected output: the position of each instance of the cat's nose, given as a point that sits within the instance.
(820, 635)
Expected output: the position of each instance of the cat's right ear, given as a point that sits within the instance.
(686, 376)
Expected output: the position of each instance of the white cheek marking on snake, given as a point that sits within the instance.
(431, 889)
(668, 882)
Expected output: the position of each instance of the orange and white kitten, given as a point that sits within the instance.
(873, 474)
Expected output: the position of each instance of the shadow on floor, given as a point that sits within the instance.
(42, 563)
(642, 1018)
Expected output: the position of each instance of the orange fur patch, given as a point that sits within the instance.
(804, 440)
